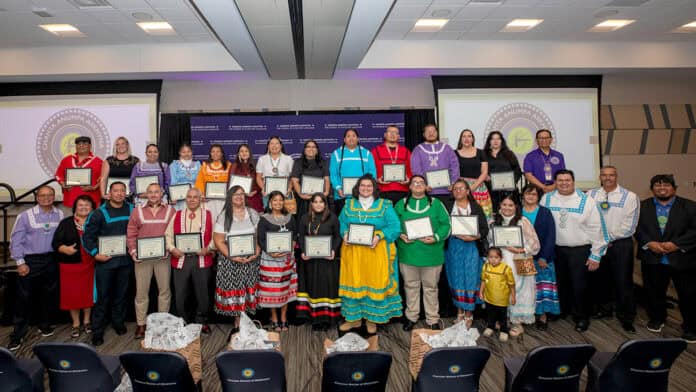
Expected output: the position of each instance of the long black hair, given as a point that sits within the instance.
(343, 146)
(504, 149)
(223, 160)
(250, 162)
(317, 159)
(282, 148)
(324, 215)
(473, 138)
(498, 217)
(469, 196)
(271, 195)
(408, 197)
(227, 209)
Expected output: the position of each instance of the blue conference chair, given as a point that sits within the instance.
(20, 375)
(549, 368)
(77, 367)
(356, 371)
(251, 370)
(452, 369)
(158, 371)
(637, 365)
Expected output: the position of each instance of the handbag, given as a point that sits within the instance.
(525, 265)
(291, 204)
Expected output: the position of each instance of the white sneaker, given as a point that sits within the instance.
(488, 332)
(503, 337)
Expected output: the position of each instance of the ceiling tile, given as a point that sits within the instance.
(388, 35)
(398, 26)
(407, 11)
(459, 25)
(448, 35)
(419, 36)
(473, 12)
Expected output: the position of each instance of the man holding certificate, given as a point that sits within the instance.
(425, 226)
(393, 163)
(146, 246)
(351, 160)
(78, 173)
(435, 156)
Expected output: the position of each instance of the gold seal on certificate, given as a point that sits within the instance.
(361, 234)
(279, 184)
(151, 248)
(124, 180)
(178, 192)
(465, 225)
(504, 236)
(418, 228)
(438, 178)
(188, 242)
(243, 181)
(278, 242)
(348, 184)
(312, 185)
(112, 245)
(317, 246)
(215, 190)
(503, 181)
(241, 245)
(78, 177)
(142, 182)
(394, 172)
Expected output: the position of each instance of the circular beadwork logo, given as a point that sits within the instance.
(562, 370)
(64, 363)
(247, 372)
(454, 369)
(655, 363)
(152, 375)
(358, 376)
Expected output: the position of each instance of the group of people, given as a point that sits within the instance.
(575, 256)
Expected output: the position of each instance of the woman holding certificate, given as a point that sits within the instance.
(242, 170)
(504, 170)
(463, 258)
(310, 175)
(348, 163)
(510, 214)
(473, 167)
(148, 172)
(369, 281)
(117, 167)
(277, 275)
(182, 175)
(319, 236)
(274, 164)
(212, 179)
(79, 173)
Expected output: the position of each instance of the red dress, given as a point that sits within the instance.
(77, 282)
(240, 169)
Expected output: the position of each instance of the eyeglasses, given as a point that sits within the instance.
(418, 183)
(238, 194)
(544, 138)
(459, 189)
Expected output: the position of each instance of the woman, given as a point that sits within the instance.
(349, 160)
(464, 255)
(368, 282)
(500, 159)
(119, 165)
(151, 167)
(237, 277)
(277, 275)
(522, 312)
(215, 169)
(473, 167)
(275, 163)
(243, 165)
(317, 296)
(546, 288)
(183, 171)
(76, 266)
(310, 164)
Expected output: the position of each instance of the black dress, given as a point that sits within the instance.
(471, 167)
(503, 162)
(312, 169)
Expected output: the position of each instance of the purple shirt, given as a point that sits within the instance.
(33, 232)
(536, 160)
(144, 168)
(428, 157)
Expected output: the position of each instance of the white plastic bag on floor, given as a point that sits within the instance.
(250, 337)
(455, 336)
(167, 332)
(348, 342)
(125, 385)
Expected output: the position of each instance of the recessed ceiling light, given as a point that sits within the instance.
(521, 25)
(611, 25)
(62, 30)
(157, 28)
(429, 25)
(687, 28)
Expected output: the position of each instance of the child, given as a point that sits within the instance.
(497, 291)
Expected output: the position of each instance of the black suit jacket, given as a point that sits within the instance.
(681, 230)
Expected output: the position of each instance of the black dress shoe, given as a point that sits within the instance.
(628, 326)
(602, 314)
(435, 327)
(542, 325)
(408, 325)
(582, 325)
(97, 340)
(120, 330)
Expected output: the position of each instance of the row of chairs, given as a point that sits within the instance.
(638, 365)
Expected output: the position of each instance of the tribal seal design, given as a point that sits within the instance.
(518, 122)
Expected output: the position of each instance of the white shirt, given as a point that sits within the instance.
(266, 164)
(620, 212)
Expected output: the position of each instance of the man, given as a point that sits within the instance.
(149, 220)
(434, 155)
(542, 164)
(81, 159)
(620, 209)
(391, 153)
(30, 246)
(192, 268)
(112, 273)
(666, 236)
(581, 241)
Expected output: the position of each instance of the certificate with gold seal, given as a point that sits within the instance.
(188, 242)
(438, 178)
(241, 245)
(151, 248)
(504, 236)
(361, 234)
(112, 245)
(279, 242)
(78, 176)
(318, 246)
(178, 192)
(142, 182)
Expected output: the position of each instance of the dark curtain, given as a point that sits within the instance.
(414, 121)
(175, 129)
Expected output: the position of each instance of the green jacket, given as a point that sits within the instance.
(417, 253)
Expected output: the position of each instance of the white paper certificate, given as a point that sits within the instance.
(142, 182)
(465, 225)
(151, 248)
(312, 185)
(243, 181)
(394, 172)
(507, 236)
(125, 181)
(78, 176)
(179, 191)
(241, 245)
(418, 228)
(188, 242)
(279, 184)
(280, 242)
(317, 246)
(503, 181)
(361, 234)
(112, 245)
(215, 190)
(438, 178)
(348, 184)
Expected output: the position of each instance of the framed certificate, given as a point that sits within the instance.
(188, 242)
(318, 246)
(124, 180)
(179, 191)
(394, 172)
(241, 245)
(361, 234)
(465, 225)
(215, 190)
(151, 248)
(243, 181)
(418, 228)
(279, 242)
(112, 245)
(438, 178)
(312, 185)
(78, 176)
(508, 236)
(279, 184)
(142, 182)
(348, 184)
(503, 181)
